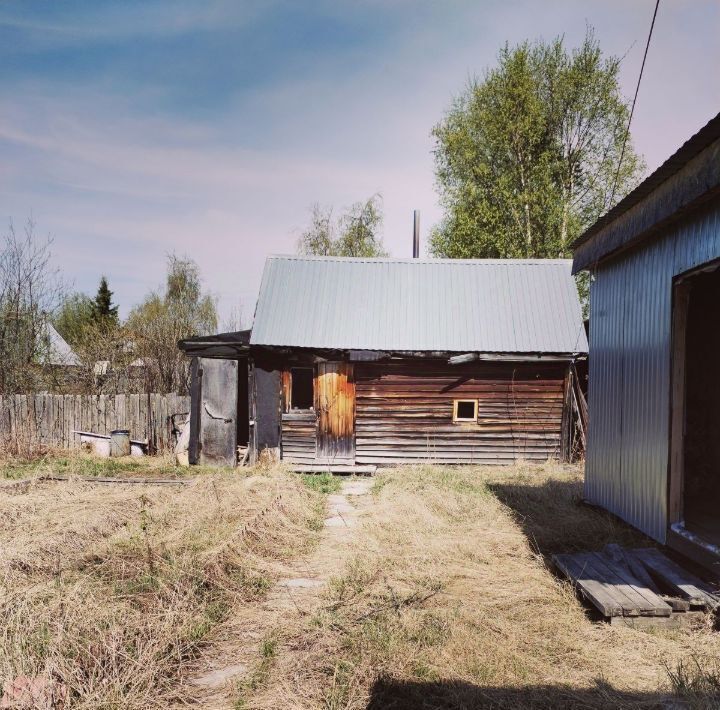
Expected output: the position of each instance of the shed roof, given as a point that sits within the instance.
(220, 345)
(419, 305)
(680, 183)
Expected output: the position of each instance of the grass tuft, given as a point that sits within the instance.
(322, 482)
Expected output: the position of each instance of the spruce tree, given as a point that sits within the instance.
(103, 309)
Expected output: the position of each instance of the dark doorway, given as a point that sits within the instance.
(243, 407)
(302, 388)
(701, 430)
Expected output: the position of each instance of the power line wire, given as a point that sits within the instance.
(632, 109)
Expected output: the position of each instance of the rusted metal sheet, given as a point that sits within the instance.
(404, 412)
(335, 409)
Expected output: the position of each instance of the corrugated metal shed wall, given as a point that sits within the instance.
(630, 332)
(419, 305)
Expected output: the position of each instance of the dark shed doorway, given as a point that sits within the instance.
(696, 401)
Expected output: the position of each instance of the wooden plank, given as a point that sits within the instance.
(680, 298)
(333, 468)
(675, 603)
(99, 479)
(633, 598)
(634, 566)
(644, 599)
(593, 590)
(682, 582)
(676, 621)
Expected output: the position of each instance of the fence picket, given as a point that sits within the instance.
(49, 420)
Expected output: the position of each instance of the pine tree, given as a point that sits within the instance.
(103, 309)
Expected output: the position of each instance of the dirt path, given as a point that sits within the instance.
(237, 651)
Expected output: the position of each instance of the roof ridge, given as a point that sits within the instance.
(411, 260)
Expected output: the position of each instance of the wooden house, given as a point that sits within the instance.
(369, 362)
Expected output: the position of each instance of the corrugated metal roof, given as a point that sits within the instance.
(707, 135)
(449, 305)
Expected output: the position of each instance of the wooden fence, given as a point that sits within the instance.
(50, 419)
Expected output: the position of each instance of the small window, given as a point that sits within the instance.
(465, 410)
(301, 396)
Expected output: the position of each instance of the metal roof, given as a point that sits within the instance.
(707, 135)
(56, 350)
(406, 305)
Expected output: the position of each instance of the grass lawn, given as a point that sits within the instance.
(442, 596)
(109, 592)
(77, 463)
(447, 601)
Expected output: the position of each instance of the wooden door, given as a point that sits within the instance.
(335, 409)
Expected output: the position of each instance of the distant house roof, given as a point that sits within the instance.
(58, 351)
(683, 181)
(419, 305)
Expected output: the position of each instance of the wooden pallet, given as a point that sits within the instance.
(640, 588)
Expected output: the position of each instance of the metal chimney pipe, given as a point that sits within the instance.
(416, 234)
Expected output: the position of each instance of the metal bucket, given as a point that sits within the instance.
(120, 442)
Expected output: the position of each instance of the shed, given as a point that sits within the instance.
(368, 362)
(219, 421)
(653, 453)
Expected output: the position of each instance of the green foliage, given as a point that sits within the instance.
(30, 292)
(75, 315)
(182, 310)
(354, 233)
(102, 307)
(322, 482)
(527, 157)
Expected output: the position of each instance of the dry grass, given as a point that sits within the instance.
(75, 462)
(110, 591)
(446, 602)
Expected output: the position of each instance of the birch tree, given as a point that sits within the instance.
(356, 232)
(30, 292)
(527, 157)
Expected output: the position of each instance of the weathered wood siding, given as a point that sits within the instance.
(404, 412)
(298, 437)
(49, 420)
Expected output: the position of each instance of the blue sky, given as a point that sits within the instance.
(133, 129)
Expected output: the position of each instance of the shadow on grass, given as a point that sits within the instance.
(390, 694)
(555, 519)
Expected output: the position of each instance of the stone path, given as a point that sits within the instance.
(297, 594)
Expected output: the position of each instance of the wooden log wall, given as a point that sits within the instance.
(48, 420)
(298, 437)
(404, 412)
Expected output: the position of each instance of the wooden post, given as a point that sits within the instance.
(681, 299)
(566, 425)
